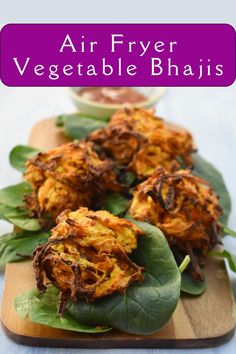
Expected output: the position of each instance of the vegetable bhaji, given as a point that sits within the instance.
(69, 176)
(142, 142)
(86, 256)
(185, 208)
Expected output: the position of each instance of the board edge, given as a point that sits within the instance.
(116, 344)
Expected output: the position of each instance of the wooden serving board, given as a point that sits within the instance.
(203, 321)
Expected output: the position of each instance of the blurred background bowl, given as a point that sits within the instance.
(105, 110)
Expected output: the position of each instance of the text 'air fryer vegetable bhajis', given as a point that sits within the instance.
(137, 139)
(185, 208)
(68, 176)
(87, 256)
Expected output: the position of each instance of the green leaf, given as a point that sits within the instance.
(18, 245)
(60, 120)
(128, 178)
(19, 217)
(189, 286)
(78, 125)
(116, 203)
(13, 195)
(228, 232)
(12, 207)
(184, 264)
(205, 169)
(22, 303)
(231, 258)
(145, 307)
(20, 154)
(42, 309)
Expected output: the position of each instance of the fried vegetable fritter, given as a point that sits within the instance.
(142, 142)
(86, 256)
(185, 208)
(69, 176)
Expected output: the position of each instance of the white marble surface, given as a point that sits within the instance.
(210, 113)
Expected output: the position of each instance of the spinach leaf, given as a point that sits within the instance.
(19, 218)
(20, 154)
(42, 309)
(189, 286)
(116, 203)
(18, 245)
(231, 258)
(13, 195)
(60, 120)
(228, 232)
(205, 169)
(184, 264)
(145, 307)
(12, 207)
(128, 178)
(78, 125)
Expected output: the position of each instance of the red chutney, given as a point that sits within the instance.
(112, 95)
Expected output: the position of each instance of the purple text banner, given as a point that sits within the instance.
(118, 55)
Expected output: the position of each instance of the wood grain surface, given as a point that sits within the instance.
(203, 321)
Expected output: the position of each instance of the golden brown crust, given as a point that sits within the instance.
(86, 256)
(69, 176)
(142, 142)
(184, 207)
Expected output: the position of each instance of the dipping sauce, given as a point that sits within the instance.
(112, 95)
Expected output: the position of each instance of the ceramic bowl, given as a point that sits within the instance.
(105, 110)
